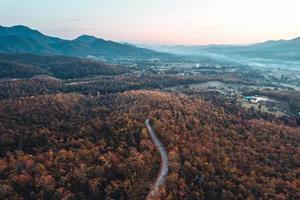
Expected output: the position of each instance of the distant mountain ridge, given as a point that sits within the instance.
(22, 39)
(282, 50)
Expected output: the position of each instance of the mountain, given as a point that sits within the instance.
(272, 52)
(21, 39)
(269, 49)
(25, 32)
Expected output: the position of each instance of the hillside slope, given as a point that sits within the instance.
(87, 147)
(63, 67)
(21, 39)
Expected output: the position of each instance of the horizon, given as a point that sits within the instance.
(193, 22)
(154, 45)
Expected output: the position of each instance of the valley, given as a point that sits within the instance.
(227, 130)
(95, 119)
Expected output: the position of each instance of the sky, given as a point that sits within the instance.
(189, 22)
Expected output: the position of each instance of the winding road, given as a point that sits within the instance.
(164, 162)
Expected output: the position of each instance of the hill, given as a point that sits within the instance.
(63, 67)
(62, 146)
(21, 39)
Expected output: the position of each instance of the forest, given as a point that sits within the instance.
(72, 128)
(76, 146)
(69, 146)
(62, 67)
(40, 85)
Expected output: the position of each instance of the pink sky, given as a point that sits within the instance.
(159, 21)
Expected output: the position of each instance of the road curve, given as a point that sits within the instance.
(164, 161)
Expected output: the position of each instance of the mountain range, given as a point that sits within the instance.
(273, 53)
(22, 39)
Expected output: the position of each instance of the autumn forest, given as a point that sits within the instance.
(65, 136)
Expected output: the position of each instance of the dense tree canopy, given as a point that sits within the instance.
(27, 65)
(72, 146)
